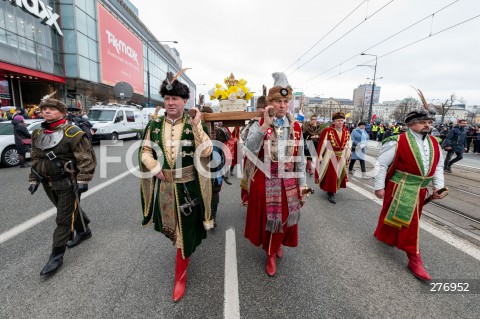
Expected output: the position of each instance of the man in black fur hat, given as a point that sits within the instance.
(407, 164)
(175, 196)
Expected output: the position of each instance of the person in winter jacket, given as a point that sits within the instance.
(22, 137)
(360, 140)
(455, 142)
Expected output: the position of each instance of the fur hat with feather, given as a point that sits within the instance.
(426, 113)
(47, 101)
(171, 86)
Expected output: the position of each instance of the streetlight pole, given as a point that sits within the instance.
(148, 68)
(373, 86)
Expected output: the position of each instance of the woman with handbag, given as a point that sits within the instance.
(22, 138)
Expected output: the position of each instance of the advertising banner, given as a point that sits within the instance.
(121, 53)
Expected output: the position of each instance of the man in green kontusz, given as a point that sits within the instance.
(175, 196)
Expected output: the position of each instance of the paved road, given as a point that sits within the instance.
(126, 271)
(458, 212)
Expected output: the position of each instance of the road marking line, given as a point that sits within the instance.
(53, 211)
(453, 240)
(468, 166)
(363, 183)
(231, 308)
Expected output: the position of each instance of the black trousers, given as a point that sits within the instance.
(215, 198)
(469, 142)
(448, 159)
(362, 165)
(68, 218)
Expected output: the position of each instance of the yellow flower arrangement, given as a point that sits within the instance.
(236, 89)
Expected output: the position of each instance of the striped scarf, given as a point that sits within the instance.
(273, 189)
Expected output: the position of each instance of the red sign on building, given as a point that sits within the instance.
(121, 52)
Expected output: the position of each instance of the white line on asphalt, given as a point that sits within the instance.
(453, 240)
(363, 183)
(52, 211)
(468, 166)
(368, 194)
(231, 308)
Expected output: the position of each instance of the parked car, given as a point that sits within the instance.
(8, 151)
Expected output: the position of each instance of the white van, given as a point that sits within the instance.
(115, 121)
(147, 113)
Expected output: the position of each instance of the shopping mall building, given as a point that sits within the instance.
(81, 49)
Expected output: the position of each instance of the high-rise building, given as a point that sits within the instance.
(362, 94)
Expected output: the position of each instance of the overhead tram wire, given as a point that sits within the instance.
(431, 35)
(386, 39)
(344, 35)
(407, 45)
(326, 34)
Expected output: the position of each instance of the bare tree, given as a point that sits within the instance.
(407, 105)
(361, 111)
(444, 107)
(471, 116)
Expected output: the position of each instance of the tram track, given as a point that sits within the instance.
(457, 212)
(464, 191)
(452, 213)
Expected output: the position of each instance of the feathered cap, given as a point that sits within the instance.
(171, 86)
(338, 115)
(420, 115)
(280, 88)
(47, 101)
(262, 100)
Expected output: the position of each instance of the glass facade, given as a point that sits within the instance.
(76, 56)
(158, 68)
(26, 42)
(79, 24)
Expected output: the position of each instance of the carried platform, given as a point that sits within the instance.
(229, 119)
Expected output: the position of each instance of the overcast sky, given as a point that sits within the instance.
(254, 38)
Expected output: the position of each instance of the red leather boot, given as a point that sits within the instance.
(180, 276)
(271, 267)
(415, 264)
(309, 167)
(280, 252)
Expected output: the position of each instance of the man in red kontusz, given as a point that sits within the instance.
(275, 192)
(407, 164)
(334, 151)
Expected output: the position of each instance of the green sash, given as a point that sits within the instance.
(405, 198)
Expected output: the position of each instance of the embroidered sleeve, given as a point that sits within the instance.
(147, 155)
(202, 137)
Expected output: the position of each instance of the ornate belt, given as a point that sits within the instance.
(179, 175)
